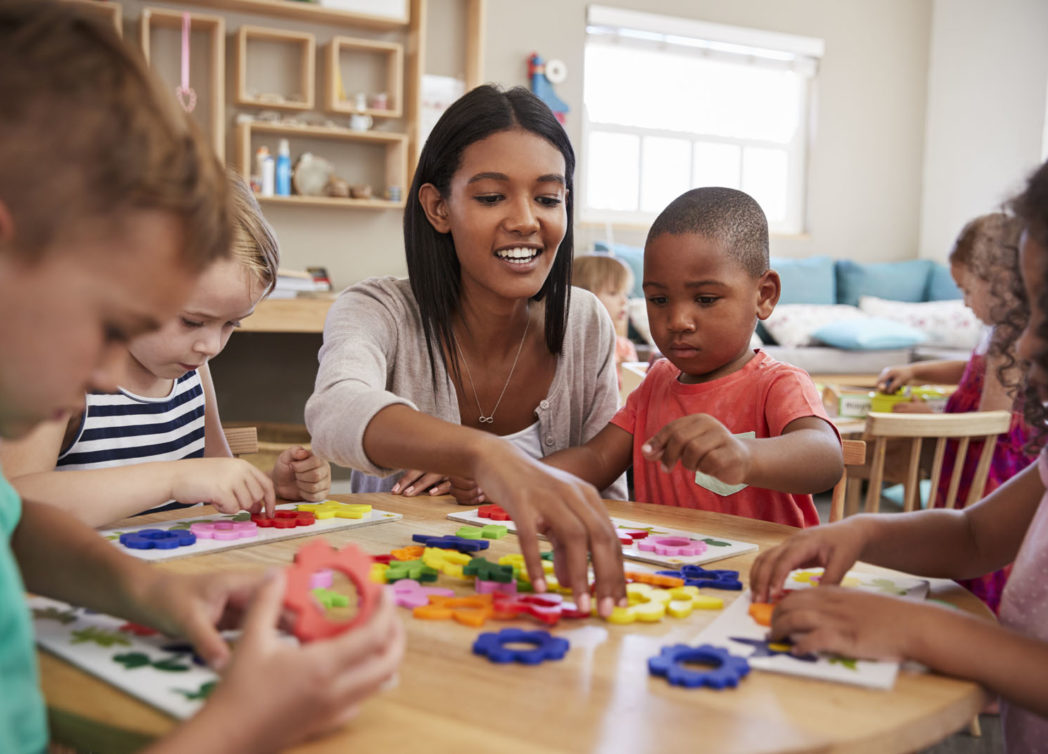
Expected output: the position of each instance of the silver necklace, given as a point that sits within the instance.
(491, 417)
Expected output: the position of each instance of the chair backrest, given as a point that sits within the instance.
(854, 452)
(914, 429)
(242, 440)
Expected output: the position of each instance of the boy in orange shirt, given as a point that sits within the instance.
(750, 433)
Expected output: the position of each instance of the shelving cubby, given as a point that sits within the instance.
(277, 54)
(375, 158)
(315, 13)
(364, 65)
(107, 10)
(160, 35)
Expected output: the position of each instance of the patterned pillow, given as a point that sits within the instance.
(792, 325)
(949, 324)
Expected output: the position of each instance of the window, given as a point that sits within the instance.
(673, 104)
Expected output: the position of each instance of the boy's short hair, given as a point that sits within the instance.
(726, 215)
(601, 272)
(87, 133)
(254, 243)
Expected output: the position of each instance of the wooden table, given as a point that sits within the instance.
(600, 698)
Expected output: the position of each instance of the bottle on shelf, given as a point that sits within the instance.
(283, 169)
(266, 171)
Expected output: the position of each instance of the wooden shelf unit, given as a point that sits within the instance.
(301, 315)
(107, 10)
(394, 63)
(215, 26)
(304, 12)
(307, 66)
(396, 157)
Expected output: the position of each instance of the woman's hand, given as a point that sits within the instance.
(414, 482)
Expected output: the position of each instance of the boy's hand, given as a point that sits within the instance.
(834, 547)
(298, 474)
(700, 443)
(414, 482)
(229, 484)
(893, 378)
(850, 622)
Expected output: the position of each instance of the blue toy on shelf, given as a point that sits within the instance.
(542, 88)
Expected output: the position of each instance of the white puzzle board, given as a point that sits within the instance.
(93, 642)
(265, 534)
(717, 548)
(735, 623)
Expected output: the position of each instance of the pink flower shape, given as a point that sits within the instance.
(679, 546)
(409, 593)
(224, 530)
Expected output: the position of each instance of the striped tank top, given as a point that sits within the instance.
(120, 429)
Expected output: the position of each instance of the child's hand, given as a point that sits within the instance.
(835, 547)
(229, 484)
(414, 482)
(849, 622)
(700, 443)
(298, 474)
(318, 686)
(893, 378)
(466, 491)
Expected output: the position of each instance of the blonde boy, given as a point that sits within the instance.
(716, 425)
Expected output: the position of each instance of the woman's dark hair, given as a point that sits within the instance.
(1031, 206)
(433, 266)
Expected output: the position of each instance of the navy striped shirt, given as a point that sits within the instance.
(120, 429)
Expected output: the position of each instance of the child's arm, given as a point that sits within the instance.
(600, 461)
(319, 686)
(930, 372)
(805, 458)
(939, 543)
(100, 496)
(858, 624)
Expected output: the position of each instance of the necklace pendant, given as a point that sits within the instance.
(486, 419)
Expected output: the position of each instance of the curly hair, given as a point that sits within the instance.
(1031, 207)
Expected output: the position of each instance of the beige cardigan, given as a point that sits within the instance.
(374, 355)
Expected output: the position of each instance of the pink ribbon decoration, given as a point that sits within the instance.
(187, 98)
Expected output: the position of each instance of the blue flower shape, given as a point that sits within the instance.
(547, 646)
(147, 539)
(695, 575)
(670, 663)
(451, 542)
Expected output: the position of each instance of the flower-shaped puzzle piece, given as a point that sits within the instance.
(448, 562)
(473, 610)
(761, 612)
(409, 593)
(671, 662)
(285, 519)
(494, 512)
(335, 509)
(712, 578)
(495, 587)
(410, 569)
(546, 647)
(630, 536)
(450, 542)
(655, 579)
(485, 570)
(160, 539)
(311, 621)
(411, 552)
(547, 608)
(224, 530)
(672, 546)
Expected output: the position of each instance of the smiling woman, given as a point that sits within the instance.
(481, 363)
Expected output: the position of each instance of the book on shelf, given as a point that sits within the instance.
(291, 283)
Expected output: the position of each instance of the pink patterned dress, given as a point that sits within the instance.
(1009, 458)
(1024, 608)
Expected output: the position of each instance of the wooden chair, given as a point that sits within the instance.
(898, 446)
(854, 452)
(242, 440)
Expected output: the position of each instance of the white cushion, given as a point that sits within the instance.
(792, 325)
(949, 324)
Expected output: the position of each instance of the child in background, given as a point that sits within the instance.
(611, 280)
(159, 437)
(101, 240)
(1010, 524)
(750, 433)
(984, 263)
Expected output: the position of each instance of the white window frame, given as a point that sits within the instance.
(618, 26)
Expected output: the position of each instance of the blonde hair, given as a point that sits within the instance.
(601, 272)
(254, 243)
(88, 135)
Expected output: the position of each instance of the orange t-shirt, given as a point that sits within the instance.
(762, 398)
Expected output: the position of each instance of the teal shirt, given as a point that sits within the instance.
(23, 718)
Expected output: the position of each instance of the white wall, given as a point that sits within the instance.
(987, 77)
(865, 168)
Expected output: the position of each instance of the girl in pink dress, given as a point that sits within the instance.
(1011, 524)
(984, 263)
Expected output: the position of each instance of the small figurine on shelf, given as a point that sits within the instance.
(337, 187)
(542, 76)
(379, 101)
(393, 193)
(359, 121)
(266, 171)
(283, 178)
(361, 191)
